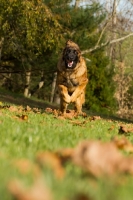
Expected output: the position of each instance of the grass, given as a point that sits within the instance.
(40, 131)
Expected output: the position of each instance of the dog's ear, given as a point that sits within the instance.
(63, 53)
(69, 43)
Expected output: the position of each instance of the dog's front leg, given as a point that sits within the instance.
(64, 98)
(64, 93)
(80, 88)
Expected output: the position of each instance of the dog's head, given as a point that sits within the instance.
(71, 55)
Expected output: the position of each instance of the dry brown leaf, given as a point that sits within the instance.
(96, 157)
(82, 197)
(38, 191)
(111, 128)
(84, 114)
(49, 110)
(21, 117)
(25, 166)
(4, 106)
(65, 154)
(56, 112)
(51, 160)
(126, 165)
(124, 144)
(79, 123)
(20, 108)
(100, 158)
(124, 129)
(70, 114)
(92, 118)
(13, 109)
(28, 109)
(24, 117)
(36, 110)
(60, 117)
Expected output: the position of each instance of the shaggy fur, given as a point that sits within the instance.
(71, 77)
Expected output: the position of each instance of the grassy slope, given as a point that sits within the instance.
(42, 131)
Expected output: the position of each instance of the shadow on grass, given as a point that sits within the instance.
(112, 117)
(8, 97)
(16, 99)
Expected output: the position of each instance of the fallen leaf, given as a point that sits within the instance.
(97, 157)
(24, 117)
(126, 165)
(111, 128)
(60, 117)
(78, 122)
(28, 109)
(38, 191)
(82, 197)
(25, 166)
(49, 110)
(13, 108)
(124, 129)
(4, 106)
(21, 117)
(124, 144)
(36, 110)
(65, 155)
(51, 160)
(68, 115)
(92, 118)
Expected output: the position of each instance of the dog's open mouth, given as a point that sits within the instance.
(69, 63)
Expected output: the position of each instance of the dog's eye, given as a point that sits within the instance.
(75, 51)
(68, 51)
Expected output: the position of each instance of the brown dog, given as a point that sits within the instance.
(71, 77)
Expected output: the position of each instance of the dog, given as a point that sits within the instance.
(71, 78)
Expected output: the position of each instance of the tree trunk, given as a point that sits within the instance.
(77, 2)
(114, 23)
(1, 44)
(53, 87)
(27, 83)
(56, 96)
(40, 84)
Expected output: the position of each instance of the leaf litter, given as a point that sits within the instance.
(125, 129)
(38, 191)
(95, 157)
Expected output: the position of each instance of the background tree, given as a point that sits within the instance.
(84, 28)
(31, 32)
(119, 42)
(120, 29)
(34, 33)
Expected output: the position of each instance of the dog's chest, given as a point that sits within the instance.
(70, 80)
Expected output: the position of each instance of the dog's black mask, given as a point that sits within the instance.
(70, 58)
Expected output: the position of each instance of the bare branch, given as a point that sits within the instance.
(112, 16)
(105, 44)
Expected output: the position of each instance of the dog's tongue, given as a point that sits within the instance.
(70, 63)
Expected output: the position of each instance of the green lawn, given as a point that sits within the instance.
(25, 132)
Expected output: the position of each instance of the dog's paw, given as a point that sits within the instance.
(72, 99)
(67, 99)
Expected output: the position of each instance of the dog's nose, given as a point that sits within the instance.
(71, 56)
